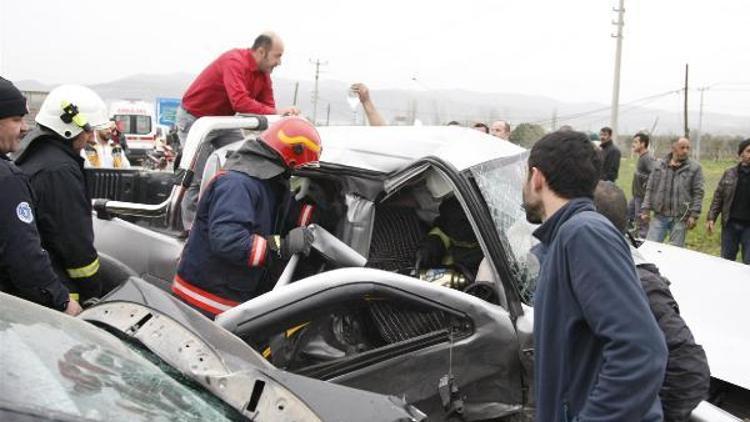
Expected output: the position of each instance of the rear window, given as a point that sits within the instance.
(134, 124)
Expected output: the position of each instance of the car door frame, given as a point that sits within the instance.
(483, 357)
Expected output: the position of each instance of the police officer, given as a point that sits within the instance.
(241, 217)
(25, 268)
(51, 158)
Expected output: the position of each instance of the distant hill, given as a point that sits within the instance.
(431, 107)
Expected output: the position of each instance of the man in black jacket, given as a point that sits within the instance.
(610, 155)
(51, 159)
(687, 378)
(732, 201)
(25, 268)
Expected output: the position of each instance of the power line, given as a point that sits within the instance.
(577, 115)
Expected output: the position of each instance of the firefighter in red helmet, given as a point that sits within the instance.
(247, 218)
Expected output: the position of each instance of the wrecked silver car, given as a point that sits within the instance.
(360, 311)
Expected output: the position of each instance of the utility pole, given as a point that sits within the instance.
(700, 126)
(296, 90)
(553, 123)
(687, 129)
(618, 57)
(317, 64)
(328, 115)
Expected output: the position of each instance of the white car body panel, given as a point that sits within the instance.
(713, 295)
(388, 148)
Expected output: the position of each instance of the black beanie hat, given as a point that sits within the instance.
(744, 144)
(12, 102)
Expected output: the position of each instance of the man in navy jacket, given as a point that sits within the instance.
(599, 354)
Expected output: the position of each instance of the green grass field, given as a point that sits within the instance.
(698, 239)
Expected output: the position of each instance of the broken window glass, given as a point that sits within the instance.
(501, 184)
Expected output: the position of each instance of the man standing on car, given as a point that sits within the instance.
(674, 193)
(611, 155)
(643, 169)
(25, 268)
(66, 122)
(732, 201)
(239, 81)
(687, 377)
(599, 354)
(242, 216)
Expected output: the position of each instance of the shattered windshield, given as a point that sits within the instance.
(57, 368)
(501, 183)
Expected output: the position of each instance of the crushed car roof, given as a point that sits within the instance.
(388, 148)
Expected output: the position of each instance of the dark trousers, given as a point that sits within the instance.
(734, 235)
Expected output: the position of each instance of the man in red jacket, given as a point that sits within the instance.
(239, 81)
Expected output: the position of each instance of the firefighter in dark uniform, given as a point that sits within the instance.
(451, 243)
(247, 219)
(51, 159)
(25, 268)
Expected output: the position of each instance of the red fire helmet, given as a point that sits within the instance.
(295, 139)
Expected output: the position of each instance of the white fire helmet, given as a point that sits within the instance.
(70, 109)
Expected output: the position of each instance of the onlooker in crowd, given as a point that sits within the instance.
(118, 137)
(481, 127)
(610, 154)
(373, 116)
(52, 160)
(239, 81)
(643, 169)
(103, 152)
(599, 354)
(674, 193)
(687, 377)
(565, 128)
(453, 123)
(25, 268)
(732, 201)
(501, 129)
(240, 230)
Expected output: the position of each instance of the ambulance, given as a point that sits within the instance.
(137, 122)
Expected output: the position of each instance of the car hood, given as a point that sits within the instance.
(225, 365)
(712, 294)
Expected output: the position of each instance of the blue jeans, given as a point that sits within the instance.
(662, 224)
(734, 235)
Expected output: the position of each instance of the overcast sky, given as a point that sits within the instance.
(560, 49)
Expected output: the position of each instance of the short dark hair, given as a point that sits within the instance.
(263, 41)
(610, 201)
(643, 138)
(744, 144)
(453, 123)
(606, 129)
(570, 163)
(483, 126)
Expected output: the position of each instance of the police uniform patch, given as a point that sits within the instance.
(23, 211)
